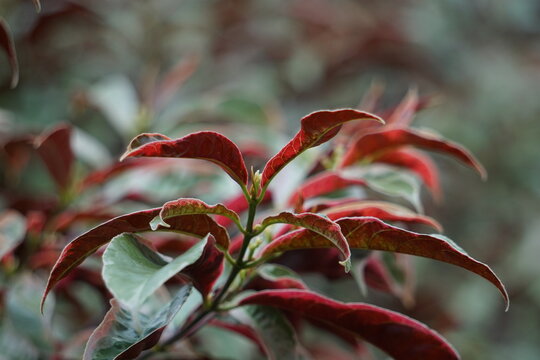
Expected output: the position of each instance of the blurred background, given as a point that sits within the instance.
(252, 69)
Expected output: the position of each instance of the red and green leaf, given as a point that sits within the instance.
(111, 340)
(418, 163)
(398, 335)
(6, 42)
(189, 207)
(206, 145)
(317, 224)
(316, 129)
(323, 184)
(80, 248)
(54, 148)
(372, 234)
(374, 145)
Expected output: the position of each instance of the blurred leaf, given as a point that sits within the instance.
(54, 148)
(12, 231)
(124, 334)
(6, 42)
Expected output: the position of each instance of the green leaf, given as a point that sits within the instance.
(123, 334)
(132, 271)
(12, 229)
(275, 332)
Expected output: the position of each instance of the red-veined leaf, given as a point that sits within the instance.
(86, 244)
(381, 210)
(323, 184)
(110, 340)
(372, 234)
(398, 335)
(415, 161)
(187, 206)
(6, 41)
(54, 148)
(319, 225)
(316, 128)
(372, 146)
(206, 145)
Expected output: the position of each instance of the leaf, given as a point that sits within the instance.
(86, 244)
(207, 145)
(124, 335)
(323, 184)
(318, 224)
(274, 276)
(100, 176)
(416, 162)
(54, 148)
(187, 206)
(174, 79)
(372, 146)
(316, 128)
(372, 234)
(231, 324)
(12, 231)
(132, 271)
(275, 332)
(381, 210)
(398, 335)
(6, 41)
(403, 114)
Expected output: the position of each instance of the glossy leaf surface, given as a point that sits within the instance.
(6, 42)
(132, 271)
(316, 128)
(373, 145)
(124, 334)
(206, 145)
(373, 234)
(86, 244)
(318, 224)
(189, 207)
(398, 335)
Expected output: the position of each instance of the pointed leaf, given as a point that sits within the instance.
(207, 145)
(381, 210)
(316, 128)
(132, 271)
(373, 234)
(276, 333)
(318, 224)
(398, 335)
(6, 42)
(372, 146)
(86, 244)
(54, 148)
(187, 206)
(416, 162)
(323, 184)
(124, 335)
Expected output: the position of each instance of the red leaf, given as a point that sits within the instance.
(416, 162)
(373, 234)
(180, 207)
(398, 335)
(319, 225)
(207, 269)
(381, 210)
(377, 276)
(66, 219)
(316, 128)
(54, 148)
(402, 115)
(372, 146)
(100, 176)
(322, 184)
(86, 244)
(6, 42)
(207, 145)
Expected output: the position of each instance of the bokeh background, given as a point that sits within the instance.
(113, 69)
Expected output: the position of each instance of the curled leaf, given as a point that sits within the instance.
(398, 335)
(206, 145)
(374, 145)
(316, 129)
(372, 234)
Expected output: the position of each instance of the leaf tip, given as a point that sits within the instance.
(346, 264)
(158, 221)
